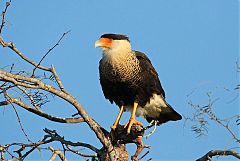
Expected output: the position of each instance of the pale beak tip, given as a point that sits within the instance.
(97, 44)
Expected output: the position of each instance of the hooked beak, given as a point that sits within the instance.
(98, 43)
(103, 43)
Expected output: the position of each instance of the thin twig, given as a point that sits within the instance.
(58, 80)
(65, 33)
(13, 47)
(229, 130)
(29, 96)
(19, 120)
(33, 146)
(207, 110)
(4, 103)
(154, 129)
(3, 15)
(212, 116)
(56, 137)
(80, 154)
(42, 114)
(144, 155)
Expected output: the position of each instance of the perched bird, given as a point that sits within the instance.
(129, 79)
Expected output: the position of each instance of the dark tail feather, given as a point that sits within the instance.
(169, 115)
(173, 114)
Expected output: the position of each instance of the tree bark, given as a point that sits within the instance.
(119, 138)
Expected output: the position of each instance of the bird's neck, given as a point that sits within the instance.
(117, 56)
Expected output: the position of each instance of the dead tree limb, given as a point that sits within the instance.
(213, 153)
(13, 47)
(57, 153)
(65, 33)
(29, 82)
(40, 113)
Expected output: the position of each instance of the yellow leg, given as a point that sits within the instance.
(118, 118)
(132, 119)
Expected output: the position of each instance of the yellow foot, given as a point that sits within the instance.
(130, 123)
(114, 127)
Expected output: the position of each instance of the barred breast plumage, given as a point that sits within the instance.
(120, 69)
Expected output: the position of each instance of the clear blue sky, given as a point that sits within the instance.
(193, 45)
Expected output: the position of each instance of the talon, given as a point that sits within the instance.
(130, 123)
(113, 127)
(132, 119)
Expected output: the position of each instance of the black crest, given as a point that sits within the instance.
(115, 37)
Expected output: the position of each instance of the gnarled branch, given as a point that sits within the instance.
(57, 153)
(213, 153)
(35, 83)
(40, 113)
(13, 47)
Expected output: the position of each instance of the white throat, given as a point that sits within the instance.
(120, 50)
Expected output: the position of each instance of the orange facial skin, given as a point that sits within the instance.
(105, 42)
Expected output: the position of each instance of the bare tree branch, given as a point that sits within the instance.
(58, 80)
(4, 103)
(56, 137)
(144, 155)
(65, 33)
(28, 82)
(228, 129)
(57, 153)
(40, 113)
(201, 112)
(81, 154)
(12, 46)
(29, 96)
(212, 153)
(153, 123)
(20, 123)
(3, 15)
(51, 136)
(33, 146)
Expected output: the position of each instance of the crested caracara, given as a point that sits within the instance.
(129, 79)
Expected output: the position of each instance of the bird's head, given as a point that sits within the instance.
(113, 43)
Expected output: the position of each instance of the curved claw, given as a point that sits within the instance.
(113, 127)
(130, 123)
(132, 119)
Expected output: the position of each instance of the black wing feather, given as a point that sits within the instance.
(151, 76)
(106, 85)
(154, 82)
